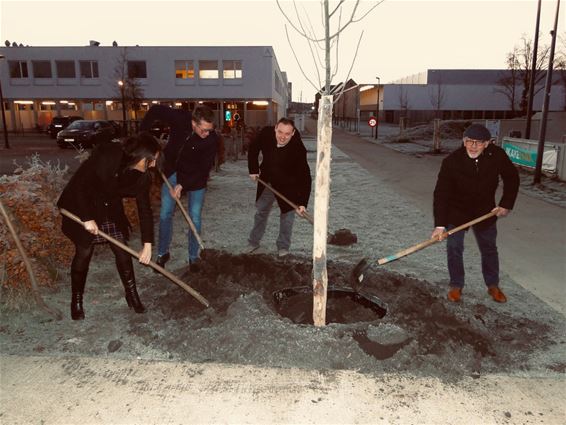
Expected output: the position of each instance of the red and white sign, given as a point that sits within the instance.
(372, 121)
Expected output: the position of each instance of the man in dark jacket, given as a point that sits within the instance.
(285, 167)
(189, 157)
(465, 190)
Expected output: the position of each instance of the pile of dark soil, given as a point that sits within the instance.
(422, 333)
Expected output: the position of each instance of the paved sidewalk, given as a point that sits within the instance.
(79, 390)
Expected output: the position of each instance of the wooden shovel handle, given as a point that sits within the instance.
(185, 214)
(129, 250)
(429, 242)
(306, 215)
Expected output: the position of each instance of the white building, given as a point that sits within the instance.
(41, 82)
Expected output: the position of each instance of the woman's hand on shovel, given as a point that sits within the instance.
(301, 210)
(90, 226)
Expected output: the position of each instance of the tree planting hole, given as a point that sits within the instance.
(343, 305)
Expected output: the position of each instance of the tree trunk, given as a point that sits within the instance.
(321, 202)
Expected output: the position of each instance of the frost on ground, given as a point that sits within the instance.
(422, 333)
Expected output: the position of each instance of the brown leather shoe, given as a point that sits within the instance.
(497, 294)
(455, 294)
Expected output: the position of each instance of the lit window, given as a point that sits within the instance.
(137, 69)
(18, 69)
(208, 69)
(65, 69)
(232, 69)
(184, 69)
(89, 69)
(41, 69)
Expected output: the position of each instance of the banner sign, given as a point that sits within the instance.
(524, 153)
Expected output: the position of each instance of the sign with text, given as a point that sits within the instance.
(372, 121)
(523, 152)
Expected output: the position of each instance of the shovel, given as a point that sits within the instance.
(344, 236)
(185, 214)
(133, 253)
(357, 275)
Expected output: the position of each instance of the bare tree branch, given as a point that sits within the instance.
(294, 26)
(299, 63)
(351, 66)
(337, 48)
(336, 8)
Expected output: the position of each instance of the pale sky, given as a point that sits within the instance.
(401, 37)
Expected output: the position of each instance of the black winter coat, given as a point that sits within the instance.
(179, 122)
(466, 187)
(285, 168)
(185, 153)
(96, 190)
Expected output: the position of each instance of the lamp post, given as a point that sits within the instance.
(124, 128)
(6, 143)
(377, 106)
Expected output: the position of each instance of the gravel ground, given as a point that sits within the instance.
(421, 334)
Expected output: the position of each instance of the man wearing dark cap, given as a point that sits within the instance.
(465, 190)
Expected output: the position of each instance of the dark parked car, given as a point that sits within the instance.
(60, 123)
(86, 133)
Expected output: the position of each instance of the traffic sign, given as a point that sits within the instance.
(372, 121)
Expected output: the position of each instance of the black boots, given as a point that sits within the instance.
(78, 279)
(129, 281)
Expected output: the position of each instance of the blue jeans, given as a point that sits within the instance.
(194, 207)
(486, 240)
(263, 207)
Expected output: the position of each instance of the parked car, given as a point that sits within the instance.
(86, 133)
(60, 123)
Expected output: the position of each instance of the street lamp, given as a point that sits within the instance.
(377, 106)
(6, 143)
(124, 128)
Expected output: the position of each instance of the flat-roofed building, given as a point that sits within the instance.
(41, 82)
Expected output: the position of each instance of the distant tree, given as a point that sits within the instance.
(560, 65)
(437, 96)
(403, 101)
(133, 91)
(514, 83)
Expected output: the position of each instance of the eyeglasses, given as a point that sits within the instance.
(205, 130)
(471, 142)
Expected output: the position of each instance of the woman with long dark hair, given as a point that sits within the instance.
(114, 171)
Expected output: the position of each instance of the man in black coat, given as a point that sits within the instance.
(189, 156)
(465, 190)
(285, 167)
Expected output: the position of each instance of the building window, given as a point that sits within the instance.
(184, 69)
(41, 69)
(18, 69)
(65, 69)
(89, 69)
(137, 69)
(208, 69)
(232, 69)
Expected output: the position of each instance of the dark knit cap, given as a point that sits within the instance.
(477, 132)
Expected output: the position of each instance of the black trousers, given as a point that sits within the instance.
(83, 255)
